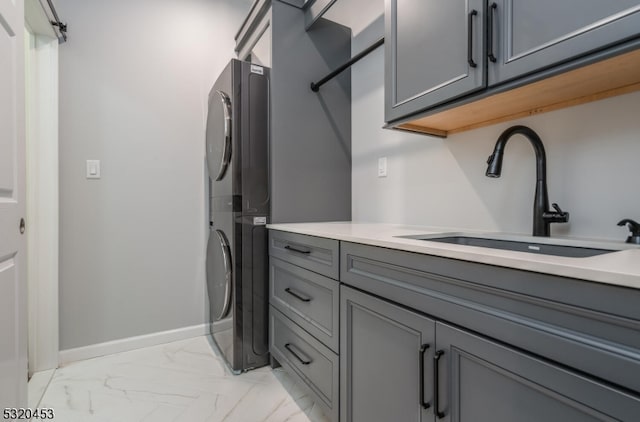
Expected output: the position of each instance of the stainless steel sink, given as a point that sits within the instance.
(544, 246)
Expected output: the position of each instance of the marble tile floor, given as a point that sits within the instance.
(37, 386)
(181, 381)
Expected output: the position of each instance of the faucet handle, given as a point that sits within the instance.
(558, 216)
(634, 228)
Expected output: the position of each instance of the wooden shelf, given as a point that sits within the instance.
(615, 76)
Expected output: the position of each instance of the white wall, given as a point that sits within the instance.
(134, 80)
(592, 153)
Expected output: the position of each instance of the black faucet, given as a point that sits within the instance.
(542, 217)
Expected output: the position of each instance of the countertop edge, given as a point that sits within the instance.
(566, 267)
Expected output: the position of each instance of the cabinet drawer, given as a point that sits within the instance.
(317, 254)
(306, 359)
(309, 299)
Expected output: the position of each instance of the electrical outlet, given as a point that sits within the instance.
(382, 167)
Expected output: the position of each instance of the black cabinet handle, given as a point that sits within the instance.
(472, 14)
(492, 57)
(297, 356)
(291, 248)
(297, 295)
(436, 383)
(423, 350)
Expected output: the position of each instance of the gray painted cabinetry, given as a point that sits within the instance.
(304, 313)
(531, 35)
(306, 359)
(389, 372)
(386, 360)
(484, 381)
(512, 345)
(425, 338)
(308, 299)
(427, 46)
(310, 149)
(438, 51)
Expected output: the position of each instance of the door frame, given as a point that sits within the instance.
(41, 56)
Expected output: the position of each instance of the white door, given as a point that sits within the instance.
(13, 289)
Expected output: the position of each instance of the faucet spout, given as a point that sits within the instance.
(542, 217)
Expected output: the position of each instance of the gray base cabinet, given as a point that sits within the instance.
(306, 359)
(308, 299)
(506, 345)
(394, 359)
(425, 338)
(386, 361)
(483, 381)
(304, 313)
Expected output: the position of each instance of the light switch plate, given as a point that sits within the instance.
(93, 169)
(382, 167)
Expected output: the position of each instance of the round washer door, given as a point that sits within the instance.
(218, 134)
(219, 275)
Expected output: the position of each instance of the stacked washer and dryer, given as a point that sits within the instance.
(237, 147)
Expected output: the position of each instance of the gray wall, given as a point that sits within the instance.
(311, 132)
(134, 80)
(592, 153)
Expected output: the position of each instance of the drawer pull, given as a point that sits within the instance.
(291, 248)
(297, 295)
(289, 347)
(423, 350)
(436, 383)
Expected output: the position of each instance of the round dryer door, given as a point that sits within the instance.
(219, 275)
(218, 134)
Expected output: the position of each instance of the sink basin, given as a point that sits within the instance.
(556, 247)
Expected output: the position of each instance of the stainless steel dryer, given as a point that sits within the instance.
(237, 144)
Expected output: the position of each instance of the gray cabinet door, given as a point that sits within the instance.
(382, 349)
(532, 35)
(431, 48)
(483, 381)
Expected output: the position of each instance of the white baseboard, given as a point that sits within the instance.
(138, 342)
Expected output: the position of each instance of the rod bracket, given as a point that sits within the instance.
(60, 25)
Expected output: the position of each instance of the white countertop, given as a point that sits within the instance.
(620, 268)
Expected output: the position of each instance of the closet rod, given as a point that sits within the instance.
(315, 86)
(62, 27)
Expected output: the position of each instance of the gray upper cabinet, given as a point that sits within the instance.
(434, 52)
(527, 36)
(443, 56)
